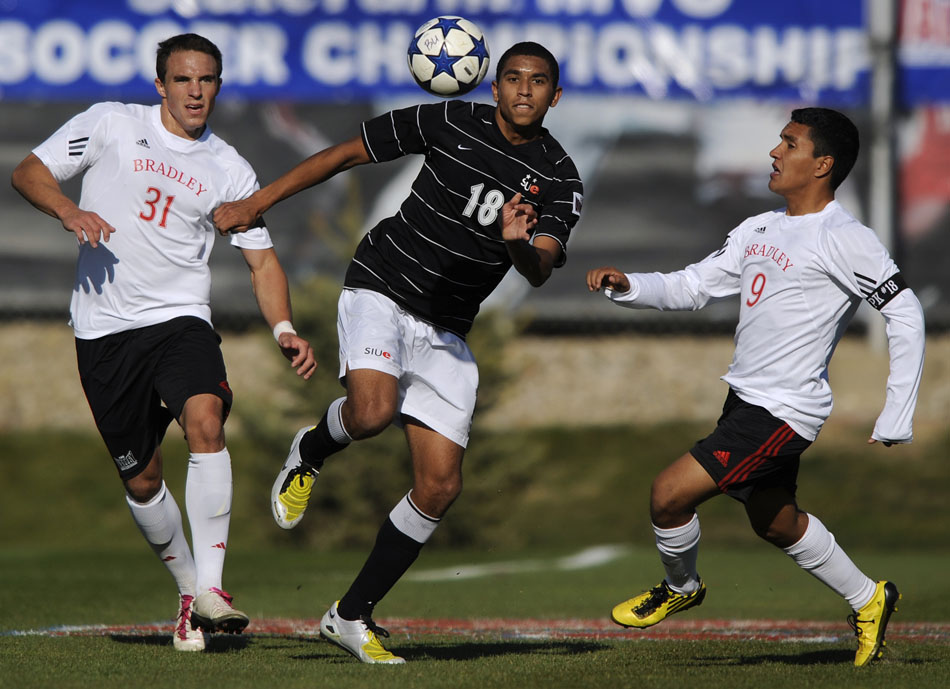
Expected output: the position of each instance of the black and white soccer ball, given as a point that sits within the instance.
(448, 56)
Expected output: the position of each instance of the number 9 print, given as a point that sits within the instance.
(758, 285)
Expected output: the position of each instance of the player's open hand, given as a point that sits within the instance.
(299, 352)
(87, 226)
(237, 216)
(607, 277)
(517, 219)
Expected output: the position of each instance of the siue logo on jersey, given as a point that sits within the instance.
(530, 185)
(376, 351)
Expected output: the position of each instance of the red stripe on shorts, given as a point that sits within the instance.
(769, 448)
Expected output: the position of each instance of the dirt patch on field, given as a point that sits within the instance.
(555, 380)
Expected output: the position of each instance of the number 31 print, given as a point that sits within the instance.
(153, 203)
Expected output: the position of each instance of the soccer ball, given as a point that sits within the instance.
(448, 56)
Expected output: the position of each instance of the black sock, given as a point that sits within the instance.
(317, 444)
(392, 555)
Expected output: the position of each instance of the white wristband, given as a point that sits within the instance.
(283, 327)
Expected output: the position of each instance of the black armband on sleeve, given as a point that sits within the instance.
(886, 291)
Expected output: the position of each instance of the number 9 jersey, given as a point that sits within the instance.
(800, 280)
(158, 191)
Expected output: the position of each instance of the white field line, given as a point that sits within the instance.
(589, 557)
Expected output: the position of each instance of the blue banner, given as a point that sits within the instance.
(341, 50)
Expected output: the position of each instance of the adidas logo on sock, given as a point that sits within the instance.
(143, 142)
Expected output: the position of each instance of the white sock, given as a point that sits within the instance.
(412, 521)
(208, 500)
(159, 520)
(816, 552)
(679, 548)
(335, 422)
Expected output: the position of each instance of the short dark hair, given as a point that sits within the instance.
(185, 41)
(832, 134)
(531, 49)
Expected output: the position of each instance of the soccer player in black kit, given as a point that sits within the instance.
(496, 190)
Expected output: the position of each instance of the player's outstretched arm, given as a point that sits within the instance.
(273, 297)
(37, 185)
(609, 278)
(239, 216)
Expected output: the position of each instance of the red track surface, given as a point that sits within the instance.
(736, 630)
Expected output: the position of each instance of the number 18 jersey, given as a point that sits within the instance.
(158, 191)
(442, 254)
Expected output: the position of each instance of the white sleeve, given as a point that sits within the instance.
(904, 324)
(715, 277)
(76, 145)
(856, 257)
(245, 183)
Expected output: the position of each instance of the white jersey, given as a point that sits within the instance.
(800, 280)
(158, 191)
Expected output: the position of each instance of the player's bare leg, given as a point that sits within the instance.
(437, 482)
(678, 490)
(367, 409)
(775, 517)
(676, 493)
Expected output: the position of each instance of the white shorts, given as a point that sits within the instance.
(437, 374)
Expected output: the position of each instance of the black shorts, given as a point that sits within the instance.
(127, 377)
(750, 449)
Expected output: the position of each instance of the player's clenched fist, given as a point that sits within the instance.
(607, 277)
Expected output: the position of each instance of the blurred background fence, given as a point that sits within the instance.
(670, 109)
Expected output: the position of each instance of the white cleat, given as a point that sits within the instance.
(291, 490)
(212, 612)
(358, 637)
(186, 637)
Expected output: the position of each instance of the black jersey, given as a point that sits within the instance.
(442, 254)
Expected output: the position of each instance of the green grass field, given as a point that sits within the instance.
(43, 588)
(75, 559)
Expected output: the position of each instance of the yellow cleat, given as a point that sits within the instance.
(292, 487)
(656, 605)
(870, 622)
(358, 637)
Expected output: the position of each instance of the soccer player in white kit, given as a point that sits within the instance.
(801, 273)
(146, 349)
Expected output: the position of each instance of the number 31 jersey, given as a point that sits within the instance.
(158, 191)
